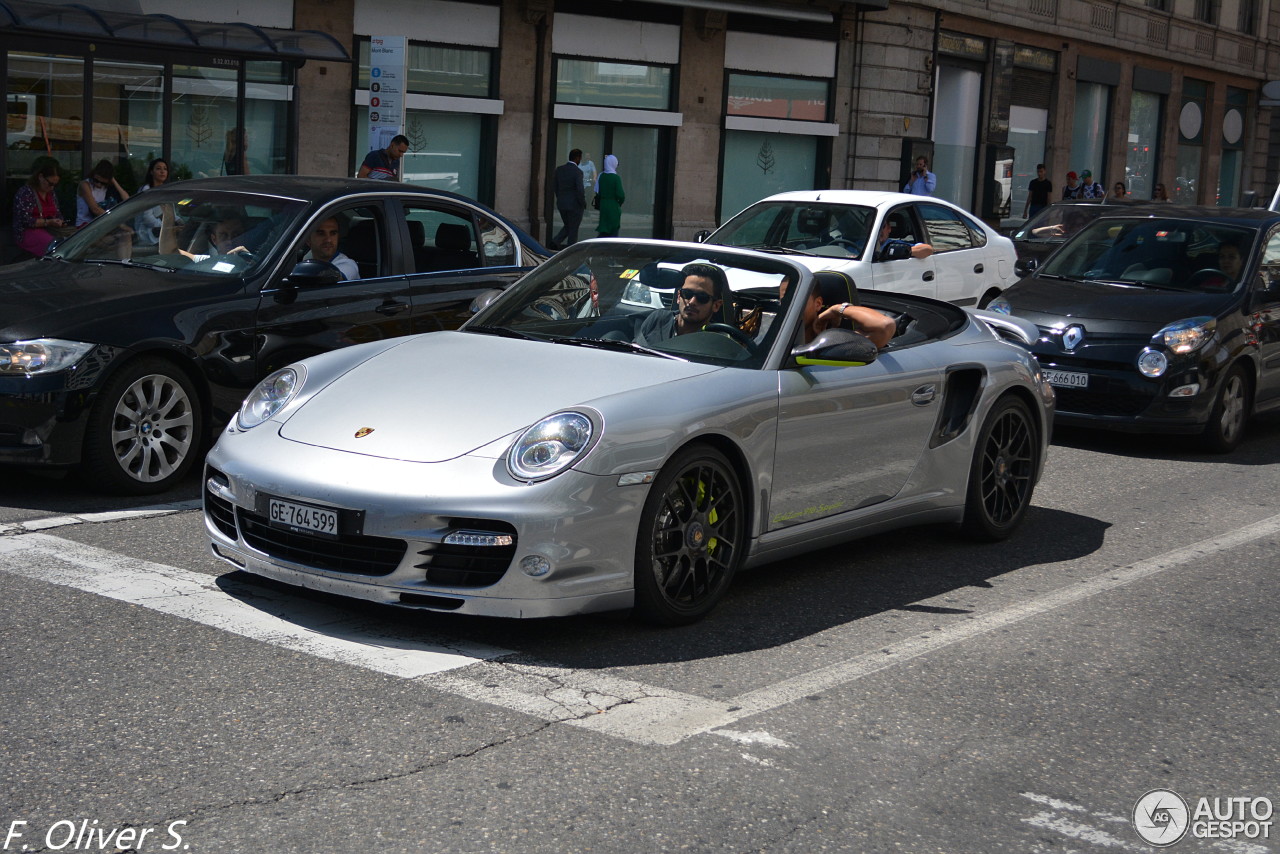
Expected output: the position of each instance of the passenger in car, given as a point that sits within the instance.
(322, 244)
(223, 236)
(833, 304)
(892, 249)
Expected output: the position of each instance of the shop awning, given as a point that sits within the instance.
(159, 30)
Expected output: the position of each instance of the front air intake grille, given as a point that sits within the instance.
(218, 509)
(450, 565)
(1074, 400)
(358, 555)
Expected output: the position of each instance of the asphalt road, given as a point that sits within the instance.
(910, 692)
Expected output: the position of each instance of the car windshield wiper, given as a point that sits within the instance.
(614, 344)
(125, 262)
(1129, 283)
(504, 332)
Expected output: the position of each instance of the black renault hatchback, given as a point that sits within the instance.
(125, 345)
(1161, 319)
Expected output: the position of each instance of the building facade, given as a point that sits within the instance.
(707, 104)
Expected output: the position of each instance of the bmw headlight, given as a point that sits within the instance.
(1001, 305)
(550, 446)
(1187, 335)
(270, 396)
(40, 356)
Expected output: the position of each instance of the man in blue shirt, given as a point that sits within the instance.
(922, 181)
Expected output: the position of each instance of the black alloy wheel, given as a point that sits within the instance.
(1002, 476)
(1230, 411)
(144, 431)
(692, 538)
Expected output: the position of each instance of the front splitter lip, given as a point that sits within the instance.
(467, 603)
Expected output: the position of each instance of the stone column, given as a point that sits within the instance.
(322, 95)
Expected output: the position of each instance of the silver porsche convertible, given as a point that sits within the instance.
(627, 427)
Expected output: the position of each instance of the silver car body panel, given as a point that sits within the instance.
(824, 453)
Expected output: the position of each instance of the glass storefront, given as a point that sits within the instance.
(760, 163)
(1145, 111)
(1233, 135)
(1089, 131)
(613, 84)
(1186, 182)
(1027, 129)
(955, 133)
(449, 149)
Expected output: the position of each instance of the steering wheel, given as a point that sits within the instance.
(1210, 279)
(746, 341)
(847, 244)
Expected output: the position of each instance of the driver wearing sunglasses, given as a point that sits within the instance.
(697, 302)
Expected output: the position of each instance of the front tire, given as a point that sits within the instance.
(692, 538)
(1002, 475)
(1225, 429)
(144, 431)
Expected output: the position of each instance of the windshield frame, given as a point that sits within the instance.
(1167, 253)
(638, 279)
(125, 235)
(792, 225)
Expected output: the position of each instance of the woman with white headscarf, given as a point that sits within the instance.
(610, 196)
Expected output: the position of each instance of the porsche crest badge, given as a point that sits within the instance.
(363, 431)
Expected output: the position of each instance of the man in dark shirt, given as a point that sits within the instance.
(571, 199)
(383, 164)
(697, 302)
(1038, 193)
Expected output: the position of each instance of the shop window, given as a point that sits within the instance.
(758, 165)
(1089, 131)
(1145, 110)
(1233, 135)
(462, 72)
(793, 98)
(1186, 181)
(43, 119)
(613, 84)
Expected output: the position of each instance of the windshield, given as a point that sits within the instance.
(813, 228)
(1157, 253)
(654, 300)
(1058, 222)
(201, 231)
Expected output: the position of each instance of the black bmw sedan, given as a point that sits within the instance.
(127, 344)
(1161, 319)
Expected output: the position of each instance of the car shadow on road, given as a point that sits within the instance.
(766, 607)
(1261, 445)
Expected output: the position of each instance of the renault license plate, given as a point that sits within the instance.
(1066, 379)
(287, 514)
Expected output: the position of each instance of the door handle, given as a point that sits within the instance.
(391, 308)
(928, 276)
(977, 268)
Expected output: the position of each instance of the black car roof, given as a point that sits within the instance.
(323, 189)
(1250, 217)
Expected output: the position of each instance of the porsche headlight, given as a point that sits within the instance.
(550, 446)
(1001, 305)
(40, 356)
(1187, 335)
(270, 396)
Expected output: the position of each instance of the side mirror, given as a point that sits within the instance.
(701, 236)
(1025, 266)
(836, 347)
(482, 300)
(313, 274)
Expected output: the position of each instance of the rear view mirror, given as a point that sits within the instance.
(701, 236)
(312, 273)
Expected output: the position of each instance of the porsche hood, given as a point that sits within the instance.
(444, 394)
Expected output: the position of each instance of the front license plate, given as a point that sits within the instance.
(1066, 379)
(287, 514)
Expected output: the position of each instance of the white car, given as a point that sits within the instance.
(839, 230)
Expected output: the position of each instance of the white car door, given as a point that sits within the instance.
(962, 264)
(908, 275)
